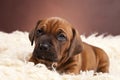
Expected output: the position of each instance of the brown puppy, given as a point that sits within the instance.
(58, 43)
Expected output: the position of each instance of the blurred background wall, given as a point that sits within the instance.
(89, 16)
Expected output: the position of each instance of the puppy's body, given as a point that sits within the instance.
(56, 41)
(91, 58)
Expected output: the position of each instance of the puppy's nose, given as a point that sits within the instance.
(44, 47)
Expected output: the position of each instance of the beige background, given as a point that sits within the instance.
(88, 16)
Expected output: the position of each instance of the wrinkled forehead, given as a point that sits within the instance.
(54, 25)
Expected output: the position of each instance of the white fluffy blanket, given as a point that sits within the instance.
(15, 50)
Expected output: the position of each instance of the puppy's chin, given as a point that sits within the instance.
(50, 65)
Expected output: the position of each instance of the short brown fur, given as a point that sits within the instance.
(71, 55)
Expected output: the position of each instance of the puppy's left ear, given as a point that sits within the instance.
(32, 33)
(31, 36)
(76, 45)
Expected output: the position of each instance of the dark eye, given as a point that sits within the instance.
(40, 32)
(61, 37)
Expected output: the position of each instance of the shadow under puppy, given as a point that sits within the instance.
(58, 42)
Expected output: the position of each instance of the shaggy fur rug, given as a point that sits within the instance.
(15, 50)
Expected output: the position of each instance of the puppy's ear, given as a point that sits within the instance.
(76, 45)
(32, 33)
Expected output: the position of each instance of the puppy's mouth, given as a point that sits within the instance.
(46, 56)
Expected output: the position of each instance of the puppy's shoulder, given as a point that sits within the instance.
(87, 47)
(97, 51)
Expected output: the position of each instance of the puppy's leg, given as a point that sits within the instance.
(72, 66)
(102, 60)
(32, 59)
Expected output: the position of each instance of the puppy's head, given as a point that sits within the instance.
(54, 38)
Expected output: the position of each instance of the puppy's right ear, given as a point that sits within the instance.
(76, 46)
(32, 33)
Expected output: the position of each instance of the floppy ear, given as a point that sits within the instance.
(32, 33)
(76, 45)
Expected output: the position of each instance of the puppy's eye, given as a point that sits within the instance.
(61, 37)
(40, 32)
